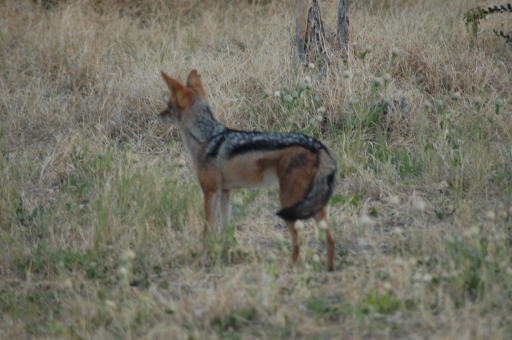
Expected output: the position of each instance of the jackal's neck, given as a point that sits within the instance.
(202, 125)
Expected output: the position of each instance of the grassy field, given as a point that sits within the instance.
(101, 216)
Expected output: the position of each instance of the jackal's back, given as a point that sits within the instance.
(232, 143)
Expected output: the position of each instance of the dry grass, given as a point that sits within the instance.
(87, 174)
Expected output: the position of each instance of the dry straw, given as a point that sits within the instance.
(101, 219)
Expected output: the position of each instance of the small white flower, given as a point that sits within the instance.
(322, 225)
(122, 271)
(277, 94)
(279, 237)
(394, 200)
(238, 201)
(311, 66)
(110, 304)
(472, 231)
(419, 206)
(315, 258)
(346, 74)
(477, 100)
(399, 262)
(129, 255)
(395, 51)
(268, 93)
(387, 77)
(319, 118)
(364, 221)
(198, 312)
(490, 215)
(181, 162)
(456, 96)
(68, 284)
(299, 225)
(321, 109)
(287, 98)
(427, 278)
(397, 231)
(307, 80)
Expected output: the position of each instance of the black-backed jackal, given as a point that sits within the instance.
(226, 159)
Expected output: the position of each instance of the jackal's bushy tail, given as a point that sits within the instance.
(318, 194)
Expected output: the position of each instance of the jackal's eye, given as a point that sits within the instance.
(172, 107)
(173, 111)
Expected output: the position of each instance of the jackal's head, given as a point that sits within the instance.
(183, 97)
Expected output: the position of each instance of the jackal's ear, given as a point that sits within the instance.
(195, 84)
(181, 96)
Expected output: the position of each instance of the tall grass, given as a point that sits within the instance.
(101, 216)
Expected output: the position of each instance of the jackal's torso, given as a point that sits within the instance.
(242, 158)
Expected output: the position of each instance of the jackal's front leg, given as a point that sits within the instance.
(225, 207)
(210, 204)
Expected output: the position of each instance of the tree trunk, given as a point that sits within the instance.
(309, 34)
(343, 28)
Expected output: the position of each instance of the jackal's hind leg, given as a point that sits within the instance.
(296, 241)
(319, 217)
(294, 183)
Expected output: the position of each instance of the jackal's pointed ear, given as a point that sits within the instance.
(195, 84)
(181, 96)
